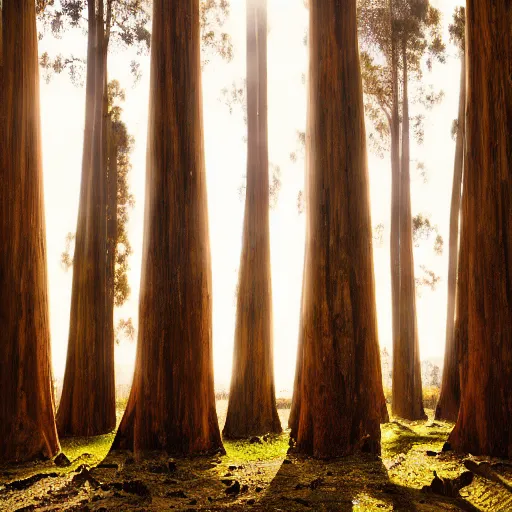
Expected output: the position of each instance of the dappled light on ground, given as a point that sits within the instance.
(258, 475)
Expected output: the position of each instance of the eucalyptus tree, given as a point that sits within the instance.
(401, 34)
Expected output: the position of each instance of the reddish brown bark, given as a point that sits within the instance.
(341, 397)
(27, 421)
(172, 403)
(407, 399)
(252, 403)
(485, 416)
(394, 242)
(449, 399)
(87, 405)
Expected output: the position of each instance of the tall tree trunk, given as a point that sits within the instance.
(27, 412)
(341, 395)
(172, 402)
(407, 392)
(87, 404)
(485, 416)
(449, 400)
(252, 403)
(111, 226)
(395, 194)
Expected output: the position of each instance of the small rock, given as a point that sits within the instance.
(62, 461)
(431, 453)
(255, 440)
(227, 481)
(252, 501)
(258, 489)
(287, 461)
(234, 489)
(136, 487)
(447, 447)
(177, 494)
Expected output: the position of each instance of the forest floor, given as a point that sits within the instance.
(260, 477)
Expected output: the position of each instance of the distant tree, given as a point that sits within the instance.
(484, 421)
(449, 400)
(338, 401)
(120, 202)
(403, 33)
(252, 402)
(27, 421)
(171, 407)
(434, 376)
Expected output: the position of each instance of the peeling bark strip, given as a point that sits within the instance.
(252, 404)
(484, 423)
(449, 399)
(27, 423)
(340, 395)
(172, 403)
(87, 405)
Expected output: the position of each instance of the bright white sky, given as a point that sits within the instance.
(63, 122)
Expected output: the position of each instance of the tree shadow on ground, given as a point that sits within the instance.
(350, 484)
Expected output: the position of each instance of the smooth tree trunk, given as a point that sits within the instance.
(111, 225)
(407, 399)
(395, 194)
(449, 399)
(27, 412)
(87, 405)
(484, 422)
(172, 403)
(341, 396)
(252, 403)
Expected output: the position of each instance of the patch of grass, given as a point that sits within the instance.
(87, 450)
(243, 451)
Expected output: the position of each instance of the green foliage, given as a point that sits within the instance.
(414, 26)
(127, 24)
(124, 330)
(428, 278)
(457, 29)
(422, 229)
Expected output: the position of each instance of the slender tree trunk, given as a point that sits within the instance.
(111, 226)
(449, 400)
(395, 198)
(87, 404)
(252, 403)
(341, 395)
(485, 416)
(172, 402)
(27, 412)
(407, 392)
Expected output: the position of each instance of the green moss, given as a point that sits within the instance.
(87, 450)
(243, 451)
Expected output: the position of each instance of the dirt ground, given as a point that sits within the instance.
(259, 477)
